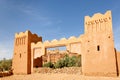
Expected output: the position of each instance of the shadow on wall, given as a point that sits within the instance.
(117, 56)
(38, 62)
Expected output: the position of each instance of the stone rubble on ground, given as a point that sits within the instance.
(67, 70)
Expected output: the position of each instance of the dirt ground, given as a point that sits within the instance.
(56, 76)
(71, 73)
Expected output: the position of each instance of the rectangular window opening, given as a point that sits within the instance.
(98, 48)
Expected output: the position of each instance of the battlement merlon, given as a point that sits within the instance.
(98, 22)
(22, 33)
(34, 37)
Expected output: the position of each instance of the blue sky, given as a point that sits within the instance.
(51, 19)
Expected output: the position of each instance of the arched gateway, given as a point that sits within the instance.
(96, 46)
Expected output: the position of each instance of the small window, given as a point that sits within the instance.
(20, 55)
(98, 48)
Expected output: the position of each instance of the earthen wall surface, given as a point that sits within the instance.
(96, 46)
(99, 54)
(118, 62)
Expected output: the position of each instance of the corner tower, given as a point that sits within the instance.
(22, 52)
(99, 53)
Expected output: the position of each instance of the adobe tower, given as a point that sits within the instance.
(98, 46)
(22, 52)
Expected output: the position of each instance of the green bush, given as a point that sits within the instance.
(5, 65)
(48, 64)
(68, 62)
(60, 63)
(78, 62)
(72, 61)
(65, 62)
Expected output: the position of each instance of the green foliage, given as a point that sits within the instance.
(59, 64)
(48, 64)
(72, 61)
(5, 65)
(78, 62)
(65, 62)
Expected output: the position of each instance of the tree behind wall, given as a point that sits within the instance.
(5, 64)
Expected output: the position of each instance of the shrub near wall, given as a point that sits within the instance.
(65, 62)
(48, 64)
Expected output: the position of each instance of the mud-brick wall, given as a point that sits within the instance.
(118, 62)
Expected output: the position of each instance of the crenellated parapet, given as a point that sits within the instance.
(21, 33)
(35, 38)
(55, 43)
(20, 38)
(98, 23)
(38, 44)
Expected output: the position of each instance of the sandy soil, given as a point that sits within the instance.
(56, 76)
(71, 73)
